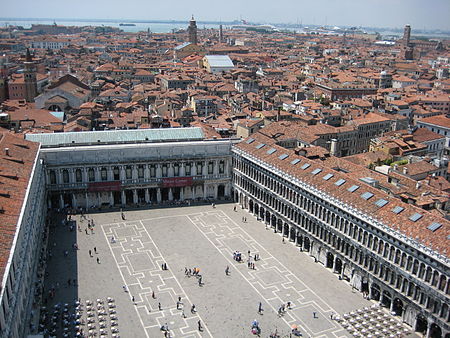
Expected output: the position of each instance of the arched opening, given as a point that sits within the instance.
(338, 266)
(128, 196)
(376, 292)
(306, 244)
(292, 234)
(435, 331)
(267, 218)
(397, 307)
(386, 299)
(273, 222)
(285, 230)
(330, 260)
(421, 324)
(280, 225)
(221, 191)
(256, 209)
(164, 194)
(250, 206)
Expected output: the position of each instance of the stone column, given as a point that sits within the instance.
(216, 168)
(158, 171)
(158, 195)
(134, 173)
(215, 191)
(170, 171)
(194, 169)
(84, 172)
(96, 174)
(122, 173)
(71, 175)
(60, 176)
(170, 194)
(111, 198)
(146, 172)
(61, 201)
(205, 168)
(74, 201)
(147, 196)
(204, 191)
(124, 199)
(182, 194)
(135, 196)
(110, 173)
(182, 169)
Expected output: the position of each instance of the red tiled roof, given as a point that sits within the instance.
(15, 171)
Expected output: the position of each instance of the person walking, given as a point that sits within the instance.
(260, 309)
(125, 288)
(199, 326)
(132, 299)
(98, 260)
(193, 308)
(90, 253)
(227, 270)
(159, 306)
(153, 295)
(95, 249)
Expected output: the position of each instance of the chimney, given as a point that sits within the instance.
(405, 170)
(7, 151)
(418, 185)
(278, 114)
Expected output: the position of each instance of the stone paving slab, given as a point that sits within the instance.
(204, 237)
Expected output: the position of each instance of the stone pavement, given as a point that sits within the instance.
(203, 237)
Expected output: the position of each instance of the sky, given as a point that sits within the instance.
(428, 14)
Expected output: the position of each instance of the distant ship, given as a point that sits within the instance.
(127, 24)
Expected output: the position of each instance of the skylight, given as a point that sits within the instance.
(340, 182)
(327, 177)
(271, 151)
(434, 226)
(367, 195)
(397, 210)
(353, 188)
(381, 202)
(283, 156)
(294, 162)
(305, 166)
(316, 171)
(259, 146)
(415, 217)
(250, 140)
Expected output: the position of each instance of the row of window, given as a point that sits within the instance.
(350, 228)
(128, 172)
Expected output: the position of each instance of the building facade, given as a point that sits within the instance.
(313, 208)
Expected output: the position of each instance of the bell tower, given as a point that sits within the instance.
(29, 75)
(192, 31)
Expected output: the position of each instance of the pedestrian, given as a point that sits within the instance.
(178, 305)
(165, 266)
(289, 305)
(90, 253)
(193, 308)
(92, 231)
(245, 219)
(185, 270)
(159, 306)
(98, 260)
(125, 288)
(200, 326)
(182, 314)
(95, 249)
(282, 240)
(113, 240)
(260, 309)
(234, 209)
(153, 295)
(314, 315)
(179, 298)
(132, 299)
(86, 231)
(162, 266)
(227, 270)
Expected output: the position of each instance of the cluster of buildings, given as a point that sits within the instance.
(338, 142)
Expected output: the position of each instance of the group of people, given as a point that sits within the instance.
(194, 272)
(282, 309)
(237, 256)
